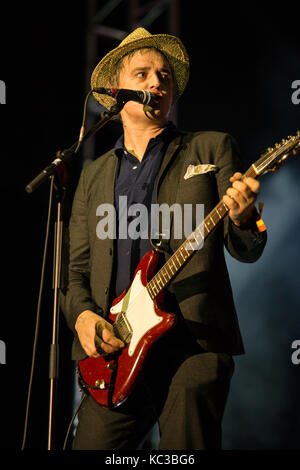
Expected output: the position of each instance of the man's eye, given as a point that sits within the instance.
(141, 74)
(165, 76)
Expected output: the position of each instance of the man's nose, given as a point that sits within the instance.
(154, 81)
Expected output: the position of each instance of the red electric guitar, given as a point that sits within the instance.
(137, 315)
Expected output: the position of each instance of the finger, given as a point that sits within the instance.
(111, 339)
(101, 348)
(107, 348)
(236, 176)
(92, 350)
(253, 184)
(95, 355)
(236, 196)
(98, 341)
(230, 202)
(244, 190)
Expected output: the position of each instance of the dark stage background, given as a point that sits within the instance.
(244, 61)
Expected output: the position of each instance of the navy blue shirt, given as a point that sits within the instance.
(135, 184)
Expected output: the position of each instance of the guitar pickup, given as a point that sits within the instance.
(123, 328)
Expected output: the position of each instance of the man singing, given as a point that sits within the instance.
(186, 377)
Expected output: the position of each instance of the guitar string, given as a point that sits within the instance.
(274, 154)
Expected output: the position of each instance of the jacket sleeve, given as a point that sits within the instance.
(75, 292)
(246, 243)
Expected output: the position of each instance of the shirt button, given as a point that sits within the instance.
(134, 167)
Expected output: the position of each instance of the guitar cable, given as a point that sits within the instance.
(72, 420)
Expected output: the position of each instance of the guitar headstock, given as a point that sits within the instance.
(275, 156)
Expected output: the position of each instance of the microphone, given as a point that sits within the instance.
(123, 95)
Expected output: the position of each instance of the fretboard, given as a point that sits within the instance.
(182, 255)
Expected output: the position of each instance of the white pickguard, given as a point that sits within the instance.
(140, 312)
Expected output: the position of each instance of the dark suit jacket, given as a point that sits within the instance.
(202, 288)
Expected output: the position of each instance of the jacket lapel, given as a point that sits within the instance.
(173, 148)
(165, 195)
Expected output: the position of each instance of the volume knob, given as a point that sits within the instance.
(100, 383)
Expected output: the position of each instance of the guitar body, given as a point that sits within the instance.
(111, 379)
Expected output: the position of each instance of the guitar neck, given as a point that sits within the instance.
(182, 255)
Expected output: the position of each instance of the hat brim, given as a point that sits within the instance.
(170, 46)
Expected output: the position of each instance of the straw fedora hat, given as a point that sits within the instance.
(170, 46)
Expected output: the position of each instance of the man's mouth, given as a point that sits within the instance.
(158, 94)
(158, 98)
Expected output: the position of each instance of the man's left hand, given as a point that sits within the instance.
(240, 198)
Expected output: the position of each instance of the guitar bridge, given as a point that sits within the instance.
(122, 328)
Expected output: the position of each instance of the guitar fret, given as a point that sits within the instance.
(195, 240)
(220, 216)
(225, 208)
(210, 216)
(189, 242)
(155, 287)
(149, 288)
(215, 216)
(200, 233)
(170, 268)
(163, 274)
(185, 252)
(180, 264)
(174, 264)
(186, 248)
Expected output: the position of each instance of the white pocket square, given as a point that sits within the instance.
(193, 170)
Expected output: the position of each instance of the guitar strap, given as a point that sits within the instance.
(126, 300)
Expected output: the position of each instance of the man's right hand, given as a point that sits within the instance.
(88, 324)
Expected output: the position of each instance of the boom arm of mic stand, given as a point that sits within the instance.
(68, 153)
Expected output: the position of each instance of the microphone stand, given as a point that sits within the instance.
(53, 172)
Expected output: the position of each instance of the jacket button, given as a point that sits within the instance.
(106, 290)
